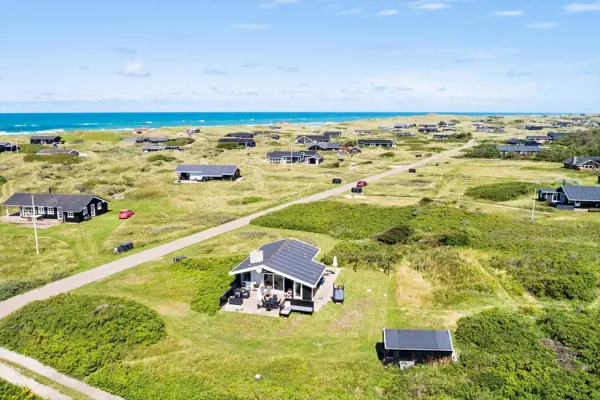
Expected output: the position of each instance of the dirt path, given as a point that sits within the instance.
(95, 274)
(13, 376)
(50, 373)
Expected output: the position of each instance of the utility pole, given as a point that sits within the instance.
(291, 157)
(533, 207)
(37, 248)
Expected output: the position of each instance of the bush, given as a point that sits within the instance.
(366, 254)
(501, 191)
(459, 239)
(484, 151)
(229, 146)
(161, 157)
(212, 273)
(12, 288)
(28, 148)
(180, 141)
(78, 335)
(2, 180)
(395, 235)
(64, 159)
(8, 391)
(388, 154)
(425, 200)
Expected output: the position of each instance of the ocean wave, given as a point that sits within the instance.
(148, 122)
(201, 120)
(88, 124)
(19, 126)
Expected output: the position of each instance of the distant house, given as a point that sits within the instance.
(561, 124)
(557, 135)
(352, 150)
(522, 150)
(515, 142)
(409, 347)
(156, 139)
(571, 197)
(6, 147)
(541, 139)
(405, 134)
(275, 128)
(285, 265)
(294, 157)
(499, 129)
(441, 137)
(242, 142)
(202, 173)
(428, 126)
(45, 139)
(332, 133)
(193, 130)
(533, 127)
(429, 129)
(147, 149)
(64, 207)
(363, 131)
(259, 132)
(582, 163)
(274, 137)
(449, 129)
(546, 194)
(240, 135)
(304, 139)
(140, 131)
(532, 143)
(401, 126)
(483, 128)
(49, 152)
(376, 143)
(315, 146)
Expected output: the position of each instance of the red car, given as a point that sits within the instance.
(124, 214)
(361, 184)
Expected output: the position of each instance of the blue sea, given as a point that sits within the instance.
(53, 123)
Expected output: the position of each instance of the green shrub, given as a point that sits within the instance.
(458, 239)
(180, 141)
(213, 273)
(425, 201)
(78, 335)
(229, 146)
(484, 151)
(395, 235)
(8, 391)
(28, 148)
(161, 157)
(2, 180)
(252, 199)
(387, 154)
(366, 254)
(12, 288)
(501, 191)
(64, 159)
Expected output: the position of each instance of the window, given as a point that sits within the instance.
(70, 215)
(99, 206)
(85, 211)
(41, 210)
(60, 215)
(50, 210)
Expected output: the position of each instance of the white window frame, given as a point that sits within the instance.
(41, 210)
(70, 215)
(93, 211)
(50, 210)
(85, 210)
(99, 206)
(60, 215)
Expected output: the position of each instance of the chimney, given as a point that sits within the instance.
(256, 256)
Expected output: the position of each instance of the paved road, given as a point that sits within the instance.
(106, 270)
(13, 376)
(50, 373)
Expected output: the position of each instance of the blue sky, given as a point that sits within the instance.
(300, 55)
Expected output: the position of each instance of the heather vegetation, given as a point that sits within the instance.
(502, 191)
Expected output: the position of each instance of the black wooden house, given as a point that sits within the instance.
(64, 207)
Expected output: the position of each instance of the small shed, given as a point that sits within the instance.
(416, 346)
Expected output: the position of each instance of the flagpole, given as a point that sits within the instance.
(37, 249)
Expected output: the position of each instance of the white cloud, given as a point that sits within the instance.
(274, 3)
(350, 11)
(134, 69)
(582, 7)
(515, 13)
(542, 25)
(431, 5)
(385, 13)
(250, 27)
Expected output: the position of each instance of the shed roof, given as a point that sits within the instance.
(580, 160)
(424, 340)
(208, 170)
(289, 257)
(314, 137)
(582, 193)
(56, 151)
(66, 202)
(44, 137)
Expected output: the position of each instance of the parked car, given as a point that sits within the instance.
(361, 184)
(124, 214)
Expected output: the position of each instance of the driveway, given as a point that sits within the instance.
(122, 264)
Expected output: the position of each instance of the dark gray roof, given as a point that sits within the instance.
(575, 161)
(208, 170)
(280, 154)
(158, 139)
(313, 137)
(324, 146)
(547, 190)
(57, 151)
(395, 339)
(67, 202)
(540, 137)
(514, 141)
(519, 148)
(241, 135)
(582, 193)
(289, 257)
(236, 140)
(375, 141)
(154, 148)
(42, 137)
